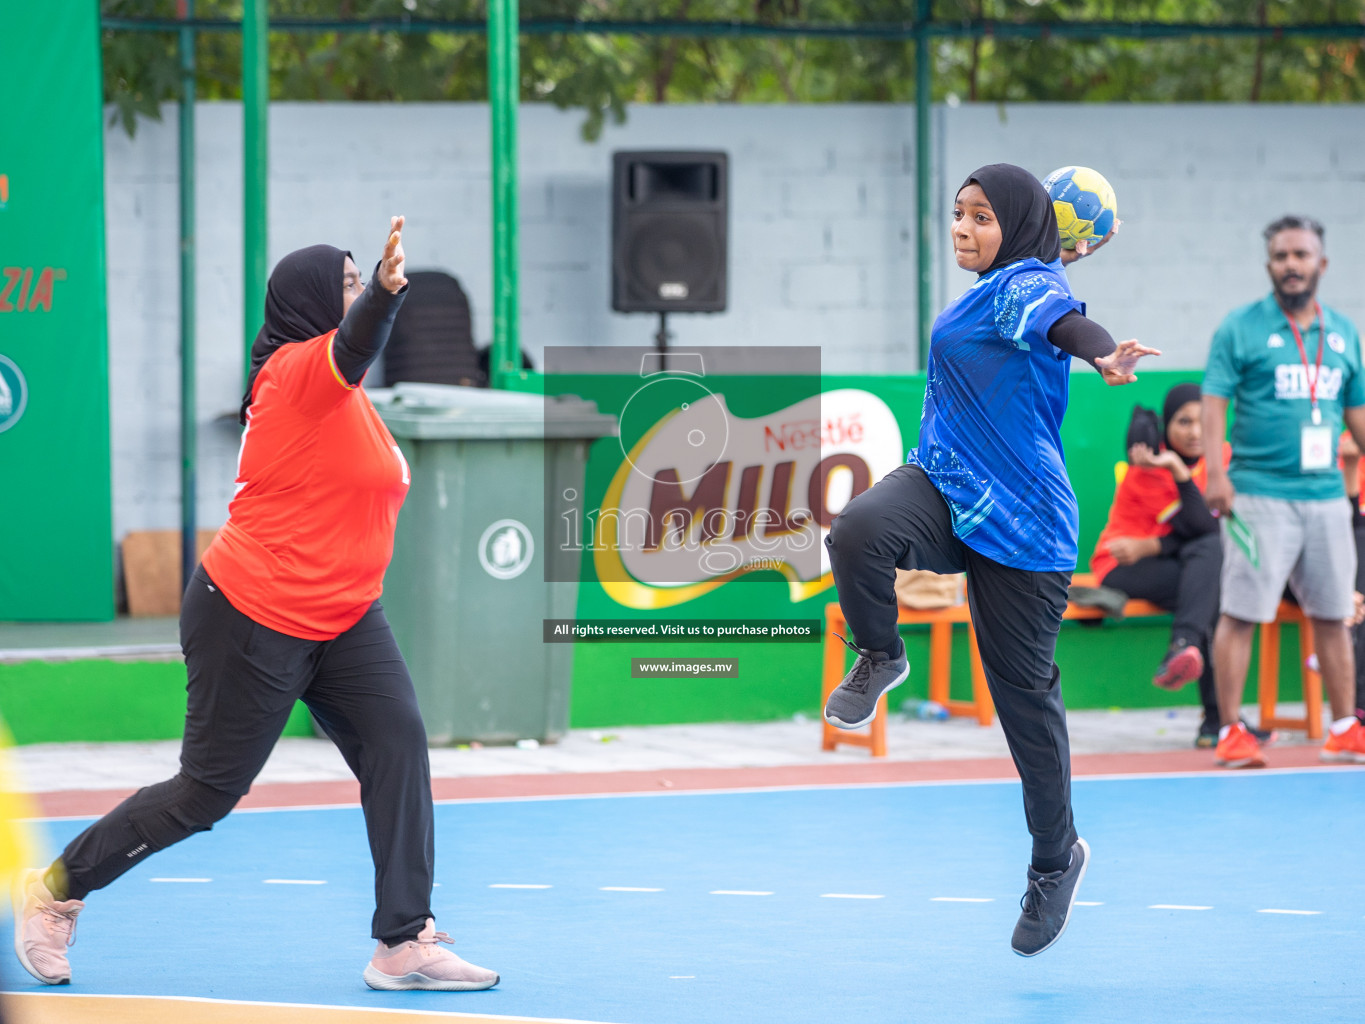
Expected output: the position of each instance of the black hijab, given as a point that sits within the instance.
(1028, 224)
(302, 301)
(1178, 396)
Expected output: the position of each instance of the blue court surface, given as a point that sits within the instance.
(1236, 897)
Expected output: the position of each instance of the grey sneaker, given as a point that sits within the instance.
(1047, 903)
(853, 703)
(1106, 599)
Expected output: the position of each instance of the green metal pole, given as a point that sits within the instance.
(504, 78)
(924, 249)
(188, 429)
(255, 166)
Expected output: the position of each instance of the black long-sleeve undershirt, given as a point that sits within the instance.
(1078, 336)
(365, 330)
(1193, 518)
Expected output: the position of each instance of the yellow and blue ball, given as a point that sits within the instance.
(1084, 202)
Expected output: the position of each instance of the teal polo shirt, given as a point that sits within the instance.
(1255, 363)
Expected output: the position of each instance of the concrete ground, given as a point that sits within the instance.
(49, 767)
(786, 744)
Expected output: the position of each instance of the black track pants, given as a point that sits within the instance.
(243, 681)
(1187, 584)
(902, 521)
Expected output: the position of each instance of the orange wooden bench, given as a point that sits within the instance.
(941, 621)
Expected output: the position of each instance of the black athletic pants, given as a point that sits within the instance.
(902, 521)
(1187, 584)
(243, 681)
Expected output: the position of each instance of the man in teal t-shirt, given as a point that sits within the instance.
(1291, 369)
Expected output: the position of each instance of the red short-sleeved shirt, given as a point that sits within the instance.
(319, 484)
(1144, 503)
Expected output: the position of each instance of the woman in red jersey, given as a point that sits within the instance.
(1161, 543)
(285, 608)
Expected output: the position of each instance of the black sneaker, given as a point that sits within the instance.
(1106, 599)
(1047, 903)
(853, 703)
(1207, 738)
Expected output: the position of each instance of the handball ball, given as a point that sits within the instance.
(1085, 204)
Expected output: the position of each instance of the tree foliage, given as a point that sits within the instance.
(602, 73)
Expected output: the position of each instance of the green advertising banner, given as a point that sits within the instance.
(55, 514)
(854, 421)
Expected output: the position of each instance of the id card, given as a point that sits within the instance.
(1316, 449)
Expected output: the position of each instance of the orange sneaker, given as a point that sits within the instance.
(1183, 664)
(1347, 747)
(1239, 749)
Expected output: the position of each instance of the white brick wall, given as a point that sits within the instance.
(822, 232)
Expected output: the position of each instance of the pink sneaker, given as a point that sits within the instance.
(424, 964)
(43, 928)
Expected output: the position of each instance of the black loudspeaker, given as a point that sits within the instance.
(668, 231)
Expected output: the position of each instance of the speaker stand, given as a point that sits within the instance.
(662, 336)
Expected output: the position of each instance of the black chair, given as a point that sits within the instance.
(433, 339)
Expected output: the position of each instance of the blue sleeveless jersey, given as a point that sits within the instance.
(990, 437)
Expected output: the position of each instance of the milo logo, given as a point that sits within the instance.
(705, 496)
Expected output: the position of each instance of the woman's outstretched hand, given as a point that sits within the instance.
(391, 264)
(1117, 367)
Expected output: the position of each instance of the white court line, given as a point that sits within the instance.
(1175, 906)
(627, 888)
(516, 885)
(1089, 903)
(294, 881)
(1302, 913)
(850, 896)
(180, 879)
(961, 899)
(681, 977)
(738, 892)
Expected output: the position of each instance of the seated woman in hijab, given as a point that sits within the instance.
(1161, 544)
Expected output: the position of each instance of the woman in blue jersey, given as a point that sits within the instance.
(987, 492)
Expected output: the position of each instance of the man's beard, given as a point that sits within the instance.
(1300, 300)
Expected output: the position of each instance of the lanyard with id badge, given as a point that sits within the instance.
(1315, 437)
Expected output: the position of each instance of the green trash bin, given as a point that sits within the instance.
(467, 589)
